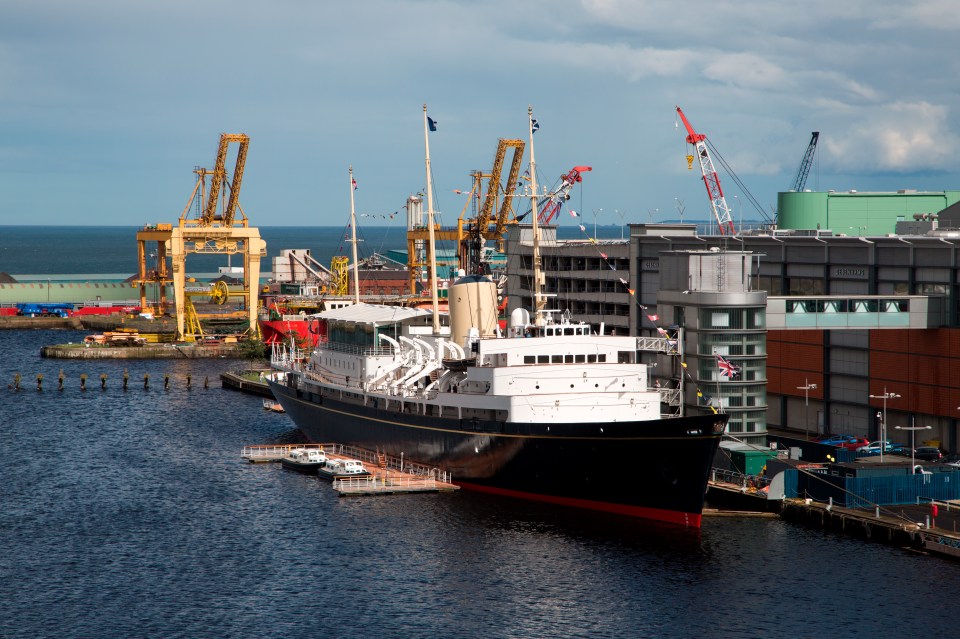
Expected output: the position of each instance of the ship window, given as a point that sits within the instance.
(580, 359)
(602, 357)
(591, 359)
(568, 359)
(568, 331)
(557, 359)
(543, 359)
(529, 359)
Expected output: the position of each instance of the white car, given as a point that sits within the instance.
(873, 448)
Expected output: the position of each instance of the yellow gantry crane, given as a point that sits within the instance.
(485, 226)
(471, 234)
(217, 230)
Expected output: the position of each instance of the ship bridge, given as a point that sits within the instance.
(832, 312)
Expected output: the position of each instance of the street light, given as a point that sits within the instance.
(596, 212)
(806, 388)
(883, 420)
(680, 208)
(913, 435)
(740, 209)
(622, 215)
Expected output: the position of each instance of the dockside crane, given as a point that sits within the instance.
(710, 178)
(472, 233)
(801, 180)
(553, 202)
(485, 226)
(216, 230)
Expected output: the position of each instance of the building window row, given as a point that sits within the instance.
(725, 318)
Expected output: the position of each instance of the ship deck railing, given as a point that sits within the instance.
(283, 357)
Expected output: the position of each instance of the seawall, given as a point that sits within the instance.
(149, 351)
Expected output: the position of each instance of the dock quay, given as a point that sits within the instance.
(388, 475)
(147, 351)
(932, 526)
(733, 492)
(246, 381)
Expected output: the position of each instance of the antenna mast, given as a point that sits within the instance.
(538, 300)
(353, 228)
(432, 238)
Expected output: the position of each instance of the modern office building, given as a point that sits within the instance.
(862, 329)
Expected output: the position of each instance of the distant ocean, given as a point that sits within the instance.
(80, 250)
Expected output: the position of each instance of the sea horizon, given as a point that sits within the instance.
(38, 250)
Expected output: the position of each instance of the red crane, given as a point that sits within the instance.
(710, 178)
(555, 198)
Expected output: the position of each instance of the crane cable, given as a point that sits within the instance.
(737, 180)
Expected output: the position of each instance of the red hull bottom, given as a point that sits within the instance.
(689, 520)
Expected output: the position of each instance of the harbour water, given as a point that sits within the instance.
(131, 514)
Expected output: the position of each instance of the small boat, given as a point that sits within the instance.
(342, 468)
(273, 406)
(305, 460)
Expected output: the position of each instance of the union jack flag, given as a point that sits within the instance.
(728, 370)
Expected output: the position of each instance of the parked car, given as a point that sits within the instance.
(873, 448)
(928, 453)
(853, 443)
(834, 440)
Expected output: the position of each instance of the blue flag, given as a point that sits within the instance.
(431, 123)
(536, 125)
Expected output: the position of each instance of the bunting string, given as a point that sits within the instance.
(727, 369)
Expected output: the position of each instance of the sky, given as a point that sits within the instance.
(108, 105)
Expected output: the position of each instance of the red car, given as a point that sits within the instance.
(853, 443)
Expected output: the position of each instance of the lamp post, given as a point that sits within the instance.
(680, 207)
(883, 420)
(596, 212)
(913, 440)
(806, 388)
(622, 215)
(740, 210)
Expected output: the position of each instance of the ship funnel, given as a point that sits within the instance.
(473, 305)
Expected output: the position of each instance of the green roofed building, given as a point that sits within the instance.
(859, 214)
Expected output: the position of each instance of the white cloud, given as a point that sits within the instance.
(899, 137)
(320, 85)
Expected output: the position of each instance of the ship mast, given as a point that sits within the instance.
(353, 228)
(538, 300)
(431, 238)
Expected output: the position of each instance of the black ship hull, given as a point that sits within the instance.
(654, 469)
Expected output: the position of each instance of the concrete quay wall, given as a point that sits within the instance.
(149, 351)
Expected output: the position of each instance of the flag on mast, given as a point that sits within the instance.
(727, 369)
(431, 123)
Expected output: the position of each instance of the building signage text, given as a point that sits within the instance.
(849, 271)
